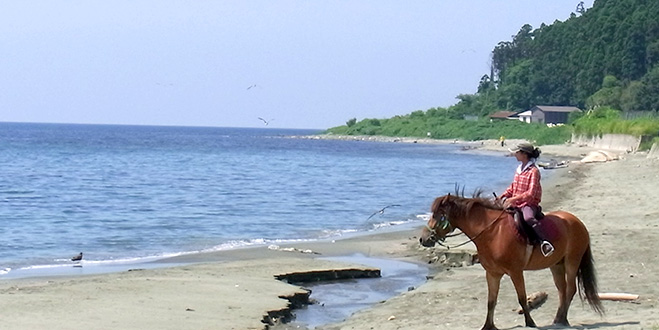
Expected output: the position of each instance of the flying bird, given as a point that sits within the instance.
(77, 258)
(266, 122)
(381, 211)
(250, 87)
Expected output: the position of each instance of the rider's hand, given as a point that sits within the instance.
(508, 203)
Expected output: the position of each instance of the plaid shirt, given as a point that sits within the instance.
(526, 185)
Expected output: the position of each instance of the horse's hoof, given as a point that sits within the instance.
(489, 326)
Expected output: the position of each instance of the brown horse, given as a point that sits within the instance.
(501, 251)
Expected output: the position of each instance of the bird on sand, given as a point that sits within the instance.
(266, 122)
(77, 258)
(381, 211)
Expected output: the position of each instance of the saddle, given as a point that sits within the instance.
(525, 231)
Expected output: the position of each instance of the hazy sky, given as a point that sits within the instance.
(311, 64)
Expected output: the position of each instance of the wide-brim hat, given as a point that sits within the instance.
(524, 147)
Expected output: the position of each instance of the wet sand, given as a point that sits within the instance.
(236, 289)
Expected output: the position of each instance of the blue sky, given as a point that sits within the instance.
(311, 64)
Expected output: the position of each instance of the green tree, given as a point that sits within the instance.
(630, 98)
(609, 95)
(649, 91)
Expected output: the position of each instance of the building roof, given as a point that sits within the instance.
(502, 114)
(551, 108)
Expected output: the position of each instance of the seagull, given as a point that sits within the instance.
(266, 122)
(77, 258)
(381, 211)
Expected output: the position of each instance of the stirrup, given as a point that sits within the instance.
(546, 248)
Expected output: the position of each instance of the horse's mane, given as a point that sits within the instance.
(476, 199)
(459, 204)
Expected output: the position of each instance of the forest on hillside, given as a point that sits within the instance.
(604, 60)
(605, 56)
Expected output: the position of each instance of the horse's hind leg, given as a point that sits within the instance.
(493, 284)
(520, 288)
(558, 272)
(571, 270)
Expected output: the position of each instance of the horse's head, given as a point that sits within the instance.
(438, 225)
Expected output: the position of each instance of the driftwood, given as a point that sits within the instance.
(535, 300)
(617, 296)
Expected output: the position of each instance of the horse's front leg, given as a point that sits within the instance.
(520, 288)
(493, 283)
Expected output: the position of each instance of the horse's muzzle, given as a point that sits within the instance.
(427, 242)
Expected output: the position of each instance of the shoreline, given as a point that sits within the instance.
(566, 151)
(103, 266)
(95, 267)
(85, 268)
(235, 289)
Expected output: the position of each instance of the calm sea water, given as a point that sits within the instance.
(126, 193)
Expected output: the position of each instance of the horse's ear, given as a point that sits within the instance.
(439, 202)
(436, 204)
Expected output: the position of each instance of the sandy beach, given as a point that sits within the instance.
(617, 202)
(236, 289)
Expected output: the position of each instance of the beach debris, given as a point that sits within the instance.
(331, 274)
(189, 310)
(535, 300)
(291, 249)
(391, 318)
(614, 296)
(381, 211)
(599, 156)
(552, 164)
(451, 259)
(77, 257)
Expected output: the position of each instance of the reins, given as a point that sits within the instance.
(472, 238)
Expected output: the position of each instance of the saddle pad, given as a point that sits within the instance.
(547, 226)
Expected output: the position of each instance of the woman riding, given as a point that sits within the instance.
(525, 191)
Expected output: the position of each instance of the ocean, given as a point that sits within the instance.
(127, 194)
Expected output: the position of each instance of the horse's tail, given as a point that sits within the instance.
(588, 282)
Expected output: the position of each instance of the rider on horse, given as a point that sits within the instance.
(525, 192)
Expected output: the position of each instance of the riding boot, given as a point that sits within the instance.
(545, 246)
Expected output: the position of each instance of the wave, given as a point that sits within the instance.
(62, 266)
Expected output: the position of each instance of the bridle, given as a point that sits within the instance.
(444, 223)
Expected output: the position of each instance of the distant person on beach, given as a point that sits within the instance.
(502, 139)
(525, 191)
